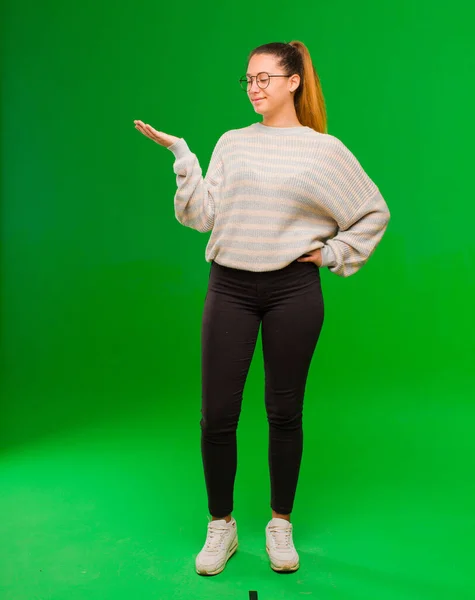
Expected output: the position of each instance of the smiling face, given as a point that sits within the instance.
(279, 93)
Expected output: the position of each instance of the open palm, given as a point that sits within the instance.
(164, 139)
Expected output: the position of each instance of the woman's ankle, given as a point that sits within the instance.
(227, 518)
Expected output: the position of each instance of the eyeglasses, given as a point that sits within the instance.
(262, 80)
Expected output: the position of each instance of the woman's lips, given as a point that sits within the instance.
(258, 100)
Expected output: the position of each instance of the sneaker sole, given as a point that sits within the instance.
(278, 569)
(231, 551)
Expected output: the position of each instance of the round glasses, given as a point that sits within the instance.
(262, 79)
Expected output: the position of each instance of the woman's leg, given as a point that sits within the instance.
(229, 333)
(291, 326)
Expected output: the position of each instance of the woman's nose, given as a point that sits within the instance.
(254, 81)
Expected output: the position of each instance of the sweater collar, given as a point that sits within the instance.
(299, 129)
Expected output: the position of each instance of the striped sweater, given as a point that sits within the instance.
(273, 194)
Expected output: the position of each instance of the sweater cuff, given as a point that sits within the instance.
(328, 257)
(179, 148)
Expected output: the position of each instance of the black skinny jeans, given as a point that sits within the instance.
(289, 303)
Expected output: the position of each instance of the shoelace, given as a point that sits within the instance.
(281, 537)
(215, 539)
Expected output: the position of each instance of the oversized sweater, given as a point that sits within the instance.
(274, 194)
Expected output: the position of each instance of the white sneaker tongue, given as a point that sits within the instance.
(279, 521)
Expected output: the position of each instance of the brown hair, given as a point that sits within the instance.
(294, 57)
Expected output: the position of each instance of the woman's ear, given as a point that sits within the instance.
(295, 82)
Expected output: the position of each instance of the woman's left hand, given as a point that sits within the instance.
(315, 256)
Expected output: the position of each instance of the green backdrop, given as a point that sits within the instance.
(101, 487)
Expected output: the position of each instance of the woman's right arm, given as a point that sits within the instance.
(196, 196)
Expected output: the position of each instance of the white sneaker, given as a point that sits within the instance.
(280, 547)
(221, 543)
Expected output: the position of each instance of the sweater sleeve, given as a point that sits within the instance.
(196, 195)
(360, 211)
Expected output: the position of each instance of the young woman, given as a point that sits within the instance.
(282, 199)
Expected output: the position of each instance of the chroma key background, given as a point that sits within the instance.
(102, 494)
